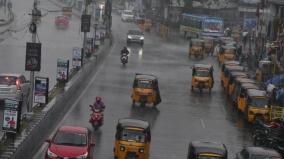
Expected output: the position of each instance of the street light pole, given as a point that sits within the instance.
(85, 33)
(33, 30)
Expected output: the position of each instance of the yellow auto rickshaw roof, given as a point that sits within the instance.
(265, 62)
(197, 40)
(208, 38)
(256, 93)
(231, 63)
(145, 76)
(249, 86)
(203, 66)
(209, 147)
(235, 68)
(229, 47)
(238, 73)
(130, 122)
(245, 80)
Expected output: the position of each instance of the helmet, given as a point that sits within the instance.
(124, 47)
(98, 99)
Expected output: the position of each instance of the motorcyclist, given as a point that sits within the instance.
(98, 105)
(124, 51)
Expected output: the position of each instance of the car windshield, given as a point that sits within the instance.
(8, 80)
(133, 135)
(144, 84)
(258, 102)
(263, 157)
(70, 139)
(134, 32)
(202, 73)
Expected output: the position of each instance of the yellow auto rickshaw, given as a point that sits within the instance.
(225, 64)
(231, 82)
(264, 71)
(238, 86)
(145, 90)
(256, 105)
(145, 24)
(196, 47)
(207, 150)
(242, 95)
(132, 139)
(228, 53)
(202, 77)
(208, 44)
(227, 71)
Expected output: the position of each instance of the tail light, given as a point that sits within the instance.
(18, 84)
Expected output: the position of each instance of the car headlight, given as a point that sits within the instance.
(142, 38)
(122, 148)
(51, 154)
(141, 150)
(129, 37)
(85, 155)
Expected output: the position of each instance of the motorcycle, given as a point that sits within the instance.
(124, 59)
(96, 118)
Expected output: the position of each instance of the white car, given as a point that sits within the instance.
(14, 86)
(127, 15)
(135, 36)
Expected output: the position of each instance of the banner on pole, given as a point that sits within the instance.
(41, 90)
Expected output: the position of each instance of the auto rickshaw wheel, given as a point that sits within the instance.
(192, 88)
(115, 157)
(133, 103)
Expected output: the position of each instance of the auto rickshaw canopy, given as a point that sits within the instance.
(197, 42)
(134, 123)
(256, 93)
(265, 64)
(247, 86)
(148, 80)
(203, 66)
(229, 48)
(244, 80)
(235, 74)
(208, 148)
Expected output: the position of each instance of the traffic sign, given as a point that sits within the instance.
(85, 23)
(33, 57)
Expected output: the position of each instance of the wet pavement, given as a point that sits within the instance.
(183, 116)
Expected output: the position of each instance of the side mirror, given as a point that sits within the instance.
(48, 141)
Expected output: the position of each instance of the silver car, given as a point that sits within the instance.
(14, 86)
(135, 36)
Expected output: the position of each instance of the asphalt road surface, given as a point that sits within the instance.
(183, 116)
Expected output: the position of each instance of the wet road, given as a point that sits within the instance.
(183, 116)
(54, 44)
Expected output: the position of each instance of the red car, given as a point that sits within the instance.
(70, 142)
(62, 21)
